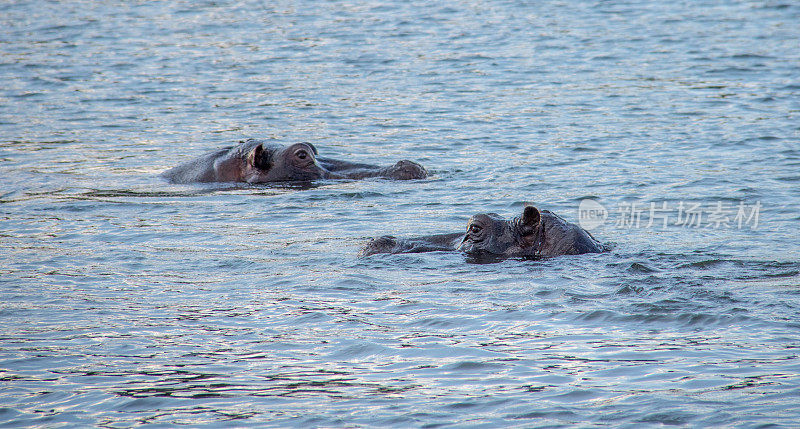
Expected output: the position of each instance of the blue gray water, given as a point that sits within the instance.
(125, 300)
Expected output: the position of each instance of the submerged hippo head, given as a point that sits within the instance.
(491, 234)
(273, 163)
(535, 233)
(252, 161)
(260, 161)
(489, 237)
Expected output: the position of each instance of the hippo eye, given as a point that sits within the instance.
(474, 229)
(301, 154)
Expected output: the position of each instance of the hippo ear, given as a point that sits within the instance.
(313, 148)
(530, 219)
(260, 158)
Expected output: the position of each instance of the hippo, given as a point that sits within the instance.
(261, 161)
(534, 234)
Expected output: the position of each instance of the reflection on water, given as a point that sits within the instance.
(126, 300)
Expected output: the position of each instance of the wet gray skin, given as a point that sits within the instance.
(533, 234)
(259, 161)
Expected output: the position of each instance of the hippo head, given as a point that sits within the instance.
(490, 234)
(268, 163)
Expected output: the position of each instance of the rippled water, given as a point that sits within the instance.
(126, 300)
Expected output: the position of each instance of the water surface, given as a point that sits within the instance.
(126, 300)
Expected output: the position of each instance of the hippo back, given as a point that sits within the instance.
(565, 238)
(197, 170)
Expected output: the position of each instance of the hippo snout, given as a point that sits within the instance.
(383, 244)
(406, 170)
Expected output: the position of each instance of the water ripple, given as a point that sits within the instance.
(130, 301)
